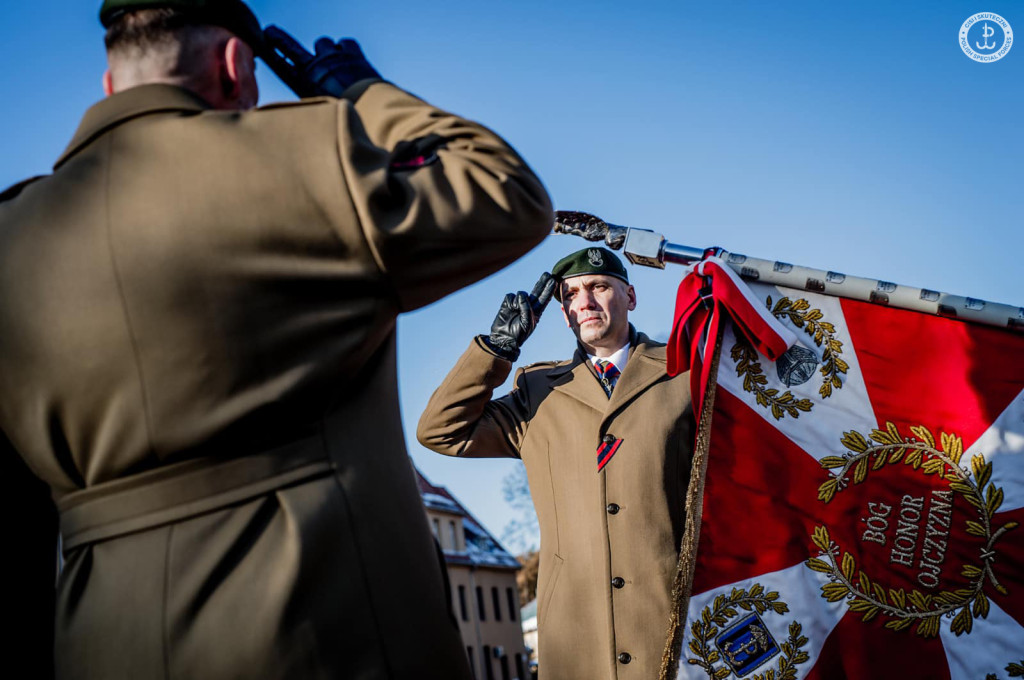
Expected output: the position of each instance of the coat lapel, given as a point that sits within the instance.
(645, 367)
(575, 379)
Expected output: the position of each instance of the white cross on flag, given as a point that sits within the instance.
(862, 500)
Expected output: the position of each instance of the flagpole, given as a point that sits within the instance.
(651, 249)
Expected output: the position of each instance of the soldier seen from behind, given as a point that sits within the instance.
(197, 358)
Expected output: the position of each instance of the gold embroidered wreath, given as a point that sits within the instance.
(903, 609)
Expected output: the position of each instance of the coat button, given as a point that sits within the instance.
(624, 657)
(618, 582)
(613, 508)
(608, 439)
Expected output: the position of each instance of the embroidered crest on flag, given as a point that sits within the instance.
(742, 646)
(797, 365)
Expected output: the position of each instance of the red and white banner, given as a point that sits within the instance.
(863, 500)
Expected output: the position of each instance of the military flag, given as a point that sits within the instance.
(860, 488)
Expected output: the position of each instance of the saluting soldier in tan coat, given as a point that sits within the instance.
(607, 441)
(197, 356)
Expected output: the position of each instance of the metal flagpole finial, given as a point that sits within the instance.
(590, 227)
(640, 246)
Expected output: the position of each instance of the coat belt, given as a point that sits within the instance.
(187, 489)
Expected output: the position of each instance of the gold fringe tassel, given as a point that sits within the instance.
(683, 581)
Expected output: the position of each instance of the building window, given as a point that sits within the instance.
(436, 524)
(488, 669)
(452, 535)
(520, 667)
(497, 604)
(472, 661)
(511, 604)
(462, 604)
(480, 603)
(504, 668)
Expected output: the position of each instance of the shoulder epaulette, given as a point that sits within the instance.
(309, 101)
(538, 365)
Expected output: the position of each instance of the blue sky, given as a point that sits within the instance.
(851, 136)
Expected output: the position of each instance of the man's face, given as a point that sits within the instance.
(597, 307)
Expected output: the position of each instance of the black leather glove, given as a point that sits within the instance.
(518, 316)
(334, 67)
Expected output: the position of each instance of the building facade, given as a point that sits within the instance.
(483, 582)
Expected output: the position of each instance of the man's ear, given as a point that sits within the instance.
(230, 69)
(238, 77)
(108, 83)
(632, 298)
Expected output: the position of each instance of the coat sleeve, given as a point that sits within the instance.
(30, 565)
(461, 419)
(443, 202)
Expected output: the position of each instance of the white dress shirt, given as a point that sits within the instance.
(619, 358)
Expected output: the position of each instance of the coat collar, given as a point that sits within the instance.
(646, 365)
(131, 103)
(576, 379)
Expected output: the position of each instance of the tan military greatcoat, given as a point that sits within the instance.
(197, 355)
(609, 539)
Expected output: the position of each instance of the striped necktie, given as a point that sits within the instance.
(608, 374)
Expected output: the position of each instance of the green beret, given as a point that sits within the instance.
(233, 15)
(588, 261)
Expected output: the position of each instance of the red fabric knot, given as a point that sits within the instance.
(709, 290)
